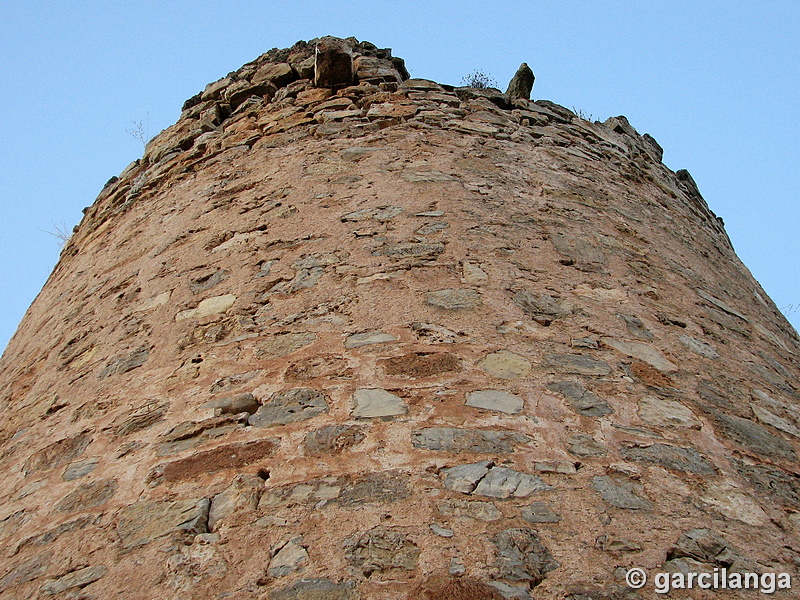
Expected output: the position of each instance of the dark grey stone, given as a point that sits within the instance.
(772, 482)
(289, 406)
(451, 439)
(541, 304)
(521, 84)
(316, 589)
(582, 400)
(676, 458)
(753, 436)
(521, 556)
(619, 493)
(585, 445)
(636, 328)
(381, 550)
(333, 65)
(126, 363)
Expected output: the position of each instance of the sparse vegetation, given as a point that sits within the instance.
(583, 115)
(60, 231)
(480, 80)
(140, 131)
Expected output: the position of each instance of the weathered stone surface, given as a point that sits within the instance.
(643, 352)
(288, 559)
(585, 445)
(80, 468)
(779, 423)
(375, 402)
(88, 495)
(698, 347)
(454, 299)
(235, 404)
(505, 365)
(752, 436)
(541, 305)
(662, 412)
(143, 417)
(333, 439)
(366, 339)
(316, 589)
(25, 572)
(577, 364)
(539, 512)
(521, 84)
(777, 484)
(496, 400)
(676, 458)
(473, 509)
(578, 251)
(521, 556)
(383, 551)
(733, 503)
(229, 456)
(619, 493)
(484, 479)
(330, 366)
(421, 364)
(284, 344)
(581, 400)
(128, 362)
(141, 523)
(57, 454)
(290, 406)
(210, 306)
(75, 579)
(451, 439)
(333, 63)
(242, 494)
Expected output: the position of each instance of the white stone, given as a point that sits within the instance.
(766, 417)
(370, 337)
(375, 402)
(666, 413)
(210, 306)
(497, 400)
(154, 302)
(734, 504)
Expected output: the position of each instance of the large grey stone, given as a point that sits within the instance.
(521, 556)
(242, 494)
(316, 589)
(375, 402)
(381, 550)
(541, 304)
(472, 509)
(141, 523)
(666, 413)
(80, 468)
(585, 445)
(283, 344)
(502, 482)
(88, 495)
(779, 423)
(577, 364)
(75, 579)
(753, 436)
(780, 485)
(496, 400)
(289, 406)
(451, 439)
(643, 352)
(289, 558)
(505, 365)
(636, 328)
(454, 299)
(464, 478)
(125, 363)
(688, 460)
(57, 453)
(333, 63)
(521, 84)
(582, 400)
(577, 250)
(619, 493)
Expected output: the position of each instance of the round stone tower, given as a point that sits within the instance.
(340, 334)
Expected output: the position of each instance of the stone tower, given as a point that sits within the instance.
(342, 334)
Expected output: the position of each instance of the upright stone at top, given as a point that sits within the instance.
(333, 65)
(521, 84)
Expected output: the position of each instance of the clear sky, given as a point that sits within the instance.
(716, 82)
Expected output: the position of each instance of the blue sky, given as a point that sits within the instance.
(717, 83)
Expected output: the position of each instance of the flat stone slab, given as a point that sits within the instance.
(451, 439)
(290, 406)
(585, 445)
(381, 550)
(80, 468)
(141, 523)
(698, 347)
(454, 299)
(496, 400)
(473, 509)
(76, 579)
(316, 589)
(581, 400)
(506, 365)
(233, 405)
(539, 512)
(666, 413)
(375, 402)
(779, 423)
(577, 364)
(642, 351)
(366, 339)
